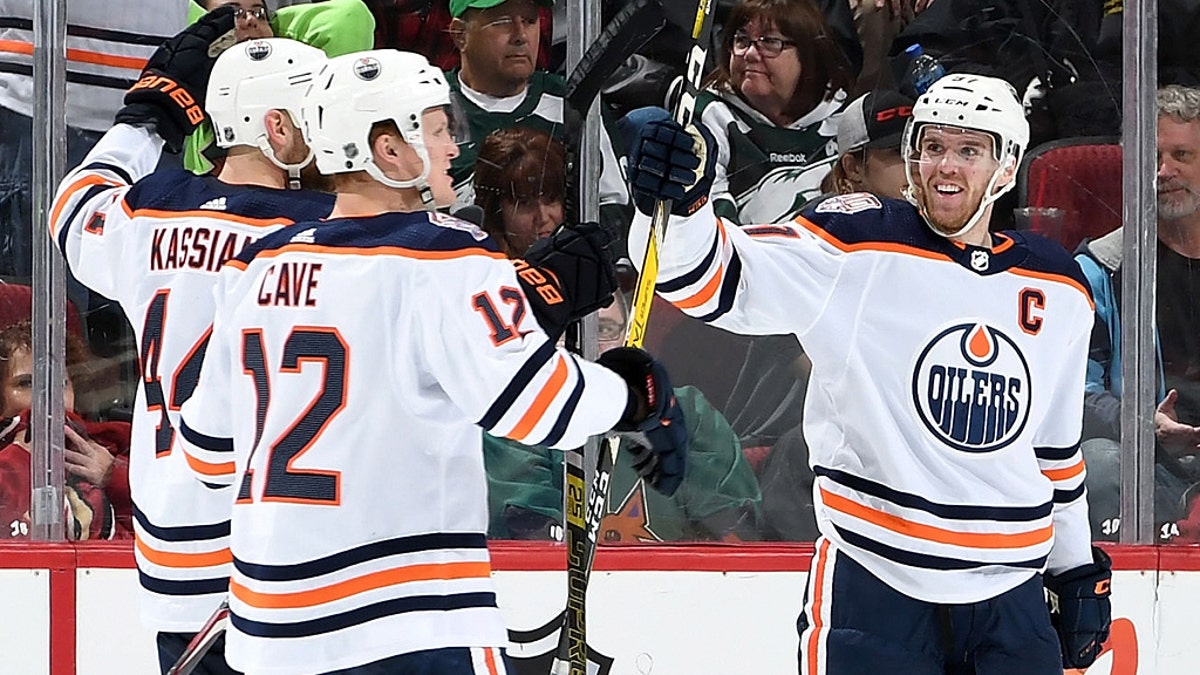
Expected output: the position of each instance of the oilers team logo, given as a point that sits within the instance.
(258, 50)
(971, 388)
(367, 68)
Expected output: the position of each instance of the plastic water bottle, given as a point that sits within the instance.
(923, 70)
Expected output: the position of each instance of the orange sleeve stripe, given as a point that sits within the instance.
(710, 289)
(183, 560)
(82, 183)
(1068, 473)
(704, 294)
(102, 59)
(16, 47)
(363, 584)
(540, 404)
(868, 245)
(936, 534)
(79, 55)
(208, 468)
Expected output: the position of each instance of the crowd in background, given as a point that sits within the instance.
(804, 98)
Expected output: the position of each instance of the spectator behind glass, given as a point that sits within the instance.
(89, 465)
(499, 87)
(771, 107)
(519, 185)
(1178, 306)
(423, 26)
(868, 139)
(719, 499)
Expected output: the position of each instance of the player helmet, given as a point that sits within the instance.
(975, 102)
(354, 92)
(253, 78)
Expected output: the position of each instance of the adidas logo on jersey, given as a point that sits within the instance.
(214, 204)
(306, 237)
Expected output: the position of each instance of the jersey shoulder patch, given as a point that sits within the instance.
(852, 203)
(863, 218)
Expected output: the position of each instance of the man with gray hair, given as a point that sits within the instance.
(1177, 417)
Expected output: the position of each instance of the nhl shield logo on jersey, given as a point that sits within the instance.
(971, 388)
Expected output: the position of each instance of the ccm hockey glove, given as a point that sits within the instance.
(1080, 610)
(667, 161)
(580, 260)
(656, 432)
(170, 93)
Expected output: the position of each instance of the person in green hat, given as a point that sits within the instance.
(499, 87)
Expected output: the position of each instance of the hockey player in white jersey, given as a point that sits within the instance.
(351, 366)
(154, 242)
(944, 410)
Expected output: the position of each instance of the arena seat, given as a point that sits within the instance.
(1082, 176)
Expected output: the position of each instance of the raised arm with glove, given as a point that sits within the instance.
(170, 94)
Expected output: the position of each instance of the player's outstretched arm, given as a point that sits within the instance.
(757, 280)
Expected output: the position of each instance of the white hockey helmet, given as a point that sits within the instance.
(975, 102)
(254, 77)
(354, 92)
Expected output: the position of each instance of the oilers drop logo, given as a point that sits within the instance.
(971, 388)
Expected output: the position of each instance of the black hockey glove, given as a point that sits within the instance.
(659, 439)
(1080, 610)
(170, 93)
(580, 259)
(667, 161)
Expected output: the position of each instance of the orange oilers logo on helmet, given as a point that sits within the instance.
(258, 50)
(971, 388)
(367, 68)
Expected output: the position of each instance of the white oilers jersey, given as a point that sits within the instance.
(944, 408)
(351, 366)
(156, 246)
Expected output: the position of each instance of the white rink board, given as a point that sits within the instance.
(103, 638)
(25, 621)
(651, 623)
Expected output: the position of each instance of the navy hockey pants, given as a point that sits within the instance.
(863, 626)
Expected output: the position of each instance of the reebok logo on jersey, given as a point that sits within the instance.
(214, 204)
(306, 237)
(971, 388)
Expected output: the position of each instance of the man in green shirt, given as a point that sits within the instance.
(499, 86)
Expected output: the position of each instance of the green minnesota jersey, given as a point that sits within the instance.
(719, 497)
(765, 172)
(539, 107)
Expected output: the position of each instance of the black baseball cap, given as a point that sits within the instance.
(874, 120)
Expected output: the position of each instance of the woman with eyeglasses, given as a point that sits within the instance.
(771, 107)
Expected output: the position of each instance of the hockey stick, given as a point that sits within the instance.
(628, 31)
(583, 522)
(202, 641)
